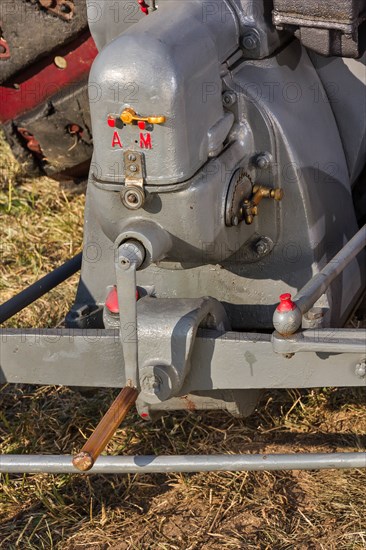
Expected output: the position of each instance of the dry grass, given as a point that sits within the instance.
(40, 226)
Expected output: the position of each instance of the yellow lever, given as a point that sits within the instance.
(129, 116)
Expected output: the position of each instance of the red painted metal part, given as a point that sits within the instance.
(286, 303)
(143, 7)
(111, 302)
(35, 88)
(32, 144)
(4, 49)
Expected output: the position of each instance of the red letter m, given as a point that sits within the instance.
(145, 141)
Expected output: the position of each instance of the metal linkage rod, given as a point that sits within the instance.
(317, 286)
(288, 315)
(53, 464)
(39, 288)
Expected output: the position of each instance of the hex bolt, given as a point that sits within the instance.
(133, 168)
(263, 246)
(229, 98)
(314, 314)
(263, 161)
(132, 198)
(151, 384)
(251, 40)
(361, 369)
(156, 384)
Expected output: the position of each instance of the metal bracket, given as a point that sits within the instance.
(133, 194)
(167, 330)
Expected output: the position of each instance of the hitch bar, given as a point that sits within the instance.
(54, 464)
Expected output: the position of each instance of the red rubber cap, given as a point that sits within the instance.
(111, 302)
(143, 7)
(286, 303)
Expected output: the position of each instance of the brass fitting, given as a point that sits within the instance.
(250, 207)
(129, 116)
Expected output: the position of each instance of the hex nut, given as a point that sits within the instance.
(158, 383)
(229, 98)
(132, 197)
(251, 40)
(263, 246)
(263, 161)
(361, 369)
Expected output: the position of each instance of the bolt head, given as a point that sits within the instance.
(60, 62)
(263, 161)
(361, 369)
(250, 41)
(151, 384)
(314, 314)
(124, 263)
(132, 199)
(133, 168)
(229, 98)
(263, 246)
(158, 382)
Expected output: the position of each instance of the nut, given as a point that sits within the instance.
(229, 98)
(263, 161)
(263, 246)
(361, 369)
(132, 197)
(251, 40)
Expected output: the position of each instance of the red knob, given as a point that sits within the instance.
(111, 302)
(286, 303)
(143, 7)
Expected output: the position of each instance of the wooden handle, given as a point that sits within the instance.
(105, 430)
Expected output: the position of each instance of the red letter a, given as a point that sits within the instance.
(116, 140)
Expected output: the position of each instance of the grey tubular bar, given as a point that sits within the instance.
(54, 464)
(39, 288)
(315, 288)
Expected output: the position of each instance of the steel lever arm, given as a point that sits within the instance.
(130, 257)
